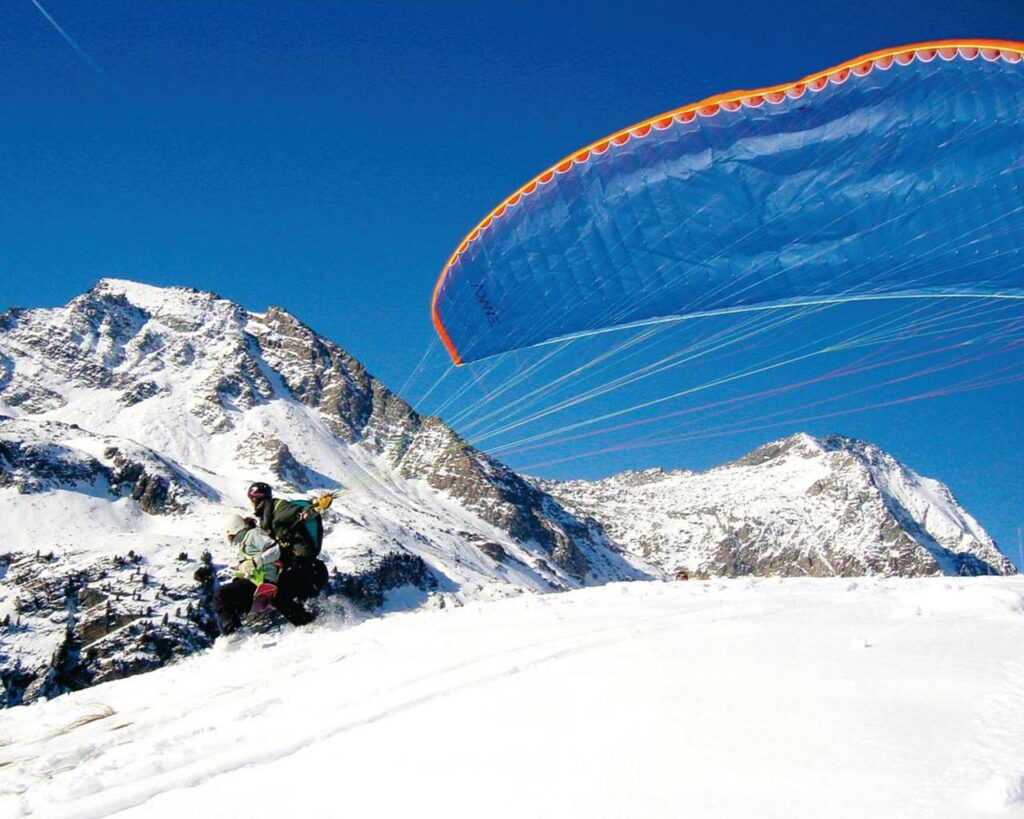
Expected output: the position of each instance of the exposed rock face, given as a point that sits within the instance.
(359, 409)
(34, 466)
(320, 375)
(797, 506)
(110, 618)
(495, 493)
(44, 456)
(367, 589)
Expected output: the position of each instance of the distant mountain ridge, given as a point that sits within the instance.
(793, 507)
(133, 417)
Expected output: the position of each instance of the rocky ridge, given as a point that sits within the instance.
(793, 507)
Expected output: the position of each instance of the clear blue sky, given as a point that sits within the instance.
(328, 156)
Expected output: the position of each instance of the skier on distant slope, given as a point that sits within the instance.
(298, 530)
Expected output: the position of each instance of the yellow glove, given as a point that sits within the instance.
(323, 503)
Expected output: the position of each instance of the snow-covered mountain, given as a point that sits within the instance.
(797, 506)
(134, 417)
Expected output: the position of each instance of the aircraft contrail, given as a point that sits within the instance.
(67, 37)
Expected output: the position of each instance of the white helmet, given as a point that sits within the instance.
(233, 524)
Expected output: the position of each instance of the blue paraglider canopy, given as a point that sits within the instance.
(897, 174)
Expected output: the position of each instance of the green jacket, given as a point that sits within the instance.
(282, 519)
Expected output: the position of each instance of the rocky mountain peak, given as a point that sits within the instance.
(132, 417)
(180, 369)
(795, 506)
(799, 445)
(183, 308)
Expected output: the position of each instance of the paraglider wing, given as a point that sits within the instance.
(898, 173)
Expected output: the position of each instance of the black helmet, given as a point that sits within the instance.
(260, 491)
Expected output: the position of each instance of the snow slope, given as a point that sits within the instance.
(875, 697)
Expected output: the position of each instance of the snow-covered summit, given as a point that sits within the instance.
(154, 299)
(798, 505)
